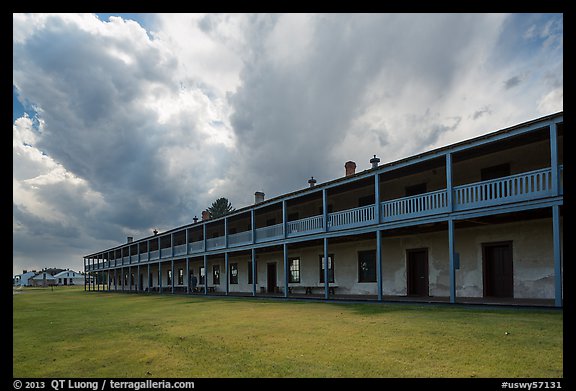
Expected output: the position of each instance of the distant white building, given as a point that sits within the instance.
(69, 277)
(22, 279)
(44, 278)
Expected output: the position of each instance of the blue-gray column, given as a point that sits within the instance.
(285, 247)
(253, 226)
(557, 256)
(554, 159)
(377, 198)
(204, 239)
(129, 278)
(379, 263)
(84, 273)
(172, 273)
(324, 210)
(205, 268)
(187, 267)
(122, 273)
(138, 287)
(115, 280)
(284, 222)
(449, 190)
(326, 283)
(225, 232)
(253, 270)
(451, 256)
(227, 268)
(160, 276)
(148, 279)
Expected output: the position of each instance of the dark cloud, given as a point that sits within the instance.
(512, 82)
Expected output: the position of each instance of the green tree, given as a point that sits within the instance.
(220, 207)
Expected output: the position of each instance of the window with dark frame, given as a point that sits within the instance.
(169, 274)
(180, 276)
(367, 266)
(202, 275)
(216, 274)
(233, 273)
(330, 268)
(294, 267)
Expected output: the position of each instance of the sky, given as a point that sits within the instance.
(126, 123)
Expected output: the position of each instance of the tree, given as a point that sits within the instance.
(220, 207)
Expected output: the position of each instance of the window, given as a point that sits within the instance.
(180, 277)
(415, 189)
(367, 200)
(216, 274)
(367, 266)
(131, 279)
(169, 274)
(233, 273)
(125, 279)
(150, 280)
(330, 268)
(59, 281)
(250, 273)
(294, 265)
(202, 275)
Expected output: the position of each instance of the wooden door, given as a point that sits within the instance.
(498, 269)
(417, 272)
(271, 273)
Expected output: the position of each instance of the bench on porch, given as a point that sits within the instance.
(308, 289)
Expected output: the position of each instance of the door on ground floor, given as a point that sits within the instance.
(417, 272)
(497, 269)
(271, 274)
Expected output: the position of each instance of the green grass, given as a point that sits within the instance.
(71, 333)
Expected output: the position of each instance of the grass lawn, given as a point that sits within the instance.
(67, 332)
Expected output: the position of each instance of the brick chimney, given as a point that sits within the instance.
(312, 182)
(205, 215)
(129, 239)
(374, 162)
(258, 197)
(350, 167)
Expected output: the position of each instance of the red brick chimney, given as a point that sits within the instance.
(350, 167)
(258, 197)
(205, 215)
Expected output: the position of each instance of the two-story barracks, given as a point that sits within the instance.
(479, 221)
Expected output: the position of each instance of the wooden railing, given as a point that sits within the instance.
(351, 217)
(304, 226)
(415, 206)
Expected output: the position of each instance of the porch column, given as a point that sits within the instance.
(160, 276)
(93, 277)
(227, 268)
(84, 260)
(205, 267)
(138, 287)
(253, 226)
(377, 198)
(187, 268)
(148, 279)
(122, 282)
(449, 182)
(284, 222)
(324, 210)
(115, 280)
(253, 270)
(129, 278)
(451, 256)
(225, 232)
(326, 283)
(554, 158)
(172, 274)
(557, 256)
(285, 248)
(379, 263)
